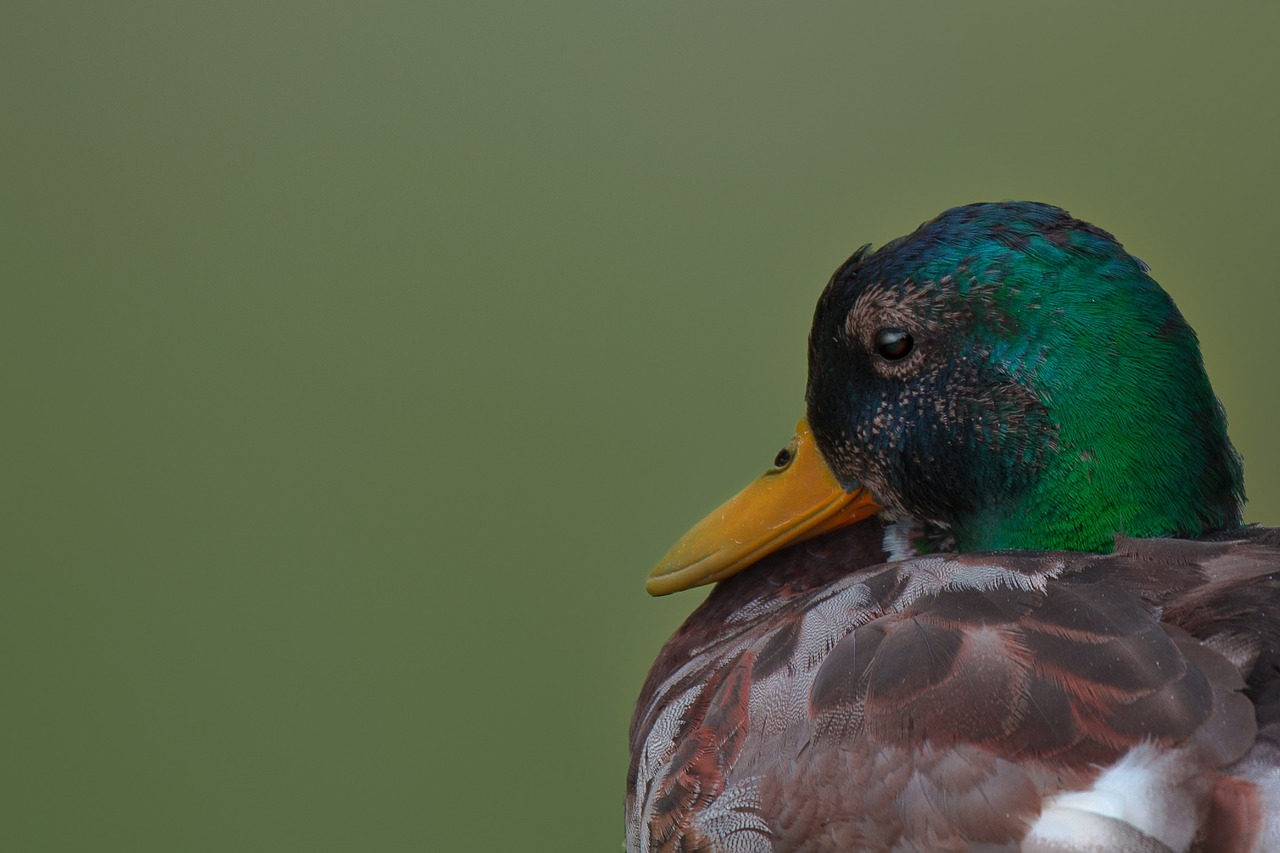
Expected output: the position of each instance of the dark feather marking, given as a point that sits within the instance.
(1082, 672)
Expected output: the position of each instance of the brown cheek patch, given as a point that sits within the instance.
(881, 306)
(922, 308)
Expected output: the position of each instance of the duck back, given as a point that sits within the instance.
(826, 700)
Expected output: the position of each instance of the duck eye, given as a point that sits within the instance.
(783, 459)
(893, 344)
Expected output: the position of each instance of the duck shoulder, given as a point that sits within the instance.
(823, 700)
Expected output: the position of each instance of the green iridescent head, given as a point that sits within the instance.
(1011, 375)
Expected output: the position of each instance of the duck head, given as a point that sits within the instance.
(1008, 376)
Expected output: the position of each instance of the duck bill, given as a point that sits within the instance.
(794, 501)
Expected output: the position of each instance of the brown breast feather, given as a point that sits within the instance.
(820, 702)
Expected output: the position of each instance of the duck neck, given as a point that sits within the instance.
(1100, 480)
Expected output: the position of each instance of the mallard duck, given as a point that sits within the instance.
(994, 595)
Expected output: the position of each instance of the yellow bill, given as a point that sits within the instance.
(797, 499)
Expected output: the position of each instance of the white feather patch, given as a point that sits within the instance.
(897, 540)
(1142, 793)
(931, 575)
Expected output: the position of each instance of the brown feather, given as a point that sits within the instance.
(822, 700)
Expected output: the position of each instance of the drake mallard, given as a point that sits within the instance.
(995, 594)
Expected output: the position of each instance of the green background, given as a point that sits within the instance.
(360, 359)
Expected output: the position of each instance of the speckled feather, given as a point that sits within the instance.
(823, 701)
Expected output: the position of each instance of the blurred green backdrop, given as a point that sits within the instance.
(360, 359)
